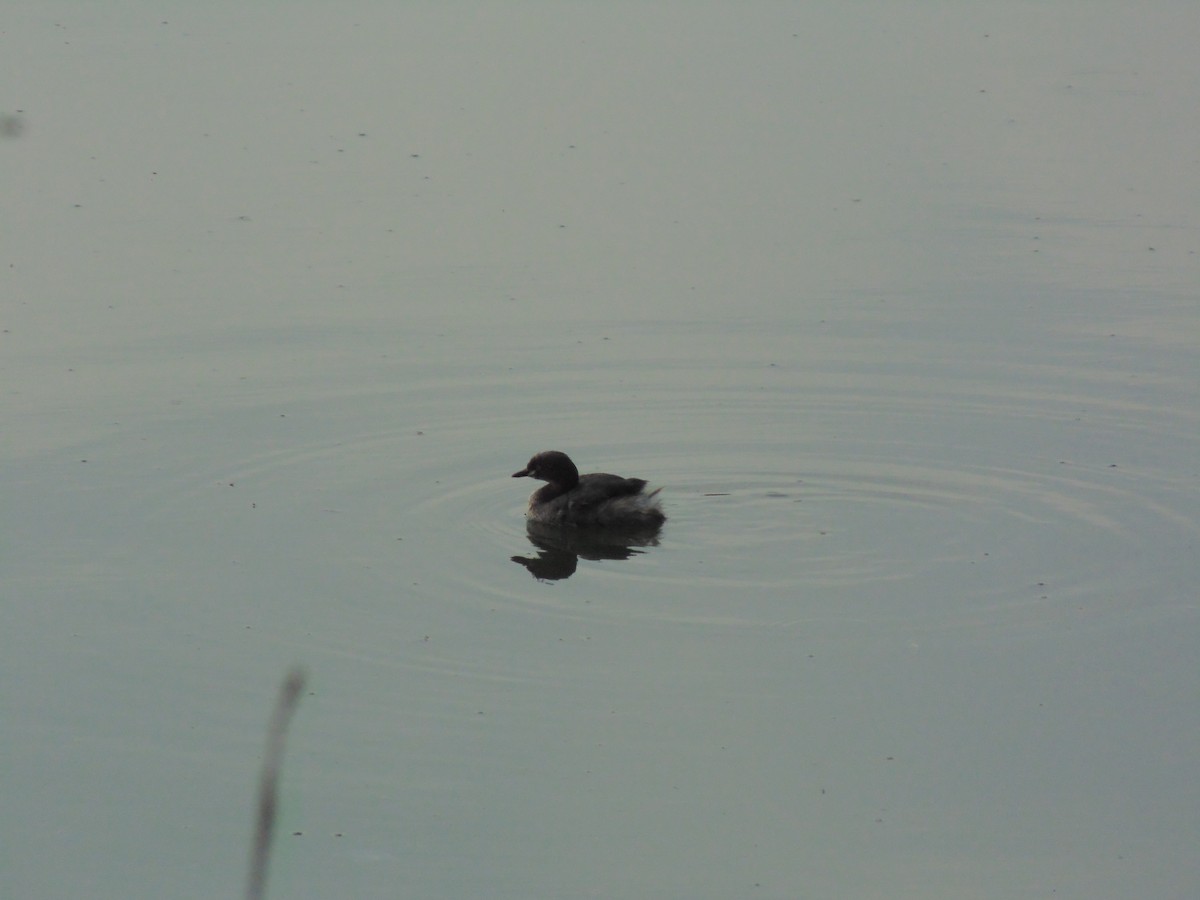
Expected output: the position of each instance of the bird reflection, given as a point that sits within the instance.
(559, 548)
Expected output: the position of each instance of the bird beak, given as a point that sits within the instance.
(522, 473)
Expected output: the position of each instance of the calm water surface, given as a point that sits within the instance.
(900, 311)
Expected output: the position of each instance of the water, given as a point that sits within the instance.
(899, 309)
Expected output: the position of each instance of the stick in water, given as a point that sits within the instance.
(268, 785)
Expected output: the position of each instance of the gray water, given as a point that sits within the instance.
(898, 303)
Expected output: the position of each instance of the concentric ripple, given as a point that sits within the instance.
(867, 486)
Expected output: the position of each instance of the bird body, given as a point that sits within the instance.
(596, 500)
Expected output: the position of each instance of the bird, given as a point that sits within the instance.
(596, 500)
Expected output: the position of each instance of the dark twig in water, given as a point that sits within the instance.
(268, 785)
